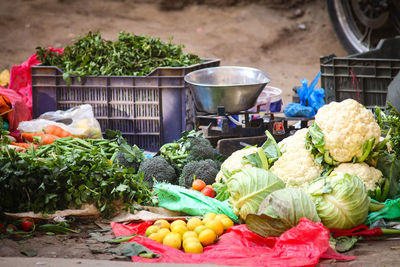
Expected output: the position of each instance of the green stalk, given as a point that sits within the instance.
(55, 228)
(178, 157)
(386, 187)
(378, 194)
(367, 147)
(390, 231)
(375, 206)
(44, 150)
(263, 158)
(84, 143)
(122, 239)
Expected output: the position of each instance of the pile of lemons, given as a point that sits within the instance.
(191, 236)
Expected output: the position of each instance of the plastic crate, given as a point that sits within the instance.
(148, 110)
(364, 77)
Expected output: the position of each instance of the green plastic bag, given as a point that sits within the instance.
(191, 202)
(391, 212)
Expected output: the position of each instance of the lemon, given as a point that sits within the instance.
(221, 216)
(206, 220)
(190, 240)
(152, 229)
(189, 234)
(193, 247)
(207, 237)
(216, 226)
(180, 229)
(199, 229)
(162, 223)
(193, 223)
(181, 222)
(163, 232)
(228, 223)
(172, 240)
(156, 237)
(210, 215)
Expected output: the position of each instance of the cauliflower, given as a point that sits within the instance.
(296, 167)
(234, 161)
(346, 127)
(369, 175)
(294, 140)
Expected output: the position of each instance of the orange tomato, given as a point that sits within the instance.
(198, 184)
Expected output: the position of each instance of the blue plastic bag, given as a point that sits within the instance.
(316, 99)
(311, 100)
(298, 110)
(303, 92)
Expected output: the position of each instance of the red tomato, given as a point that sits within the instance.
(208, 191)
(27, 224)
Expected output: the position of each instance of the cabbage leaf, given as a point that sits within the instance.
(249, 187)
(280, 211)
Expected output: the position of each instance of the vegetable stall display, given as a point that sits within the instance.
(273, 189)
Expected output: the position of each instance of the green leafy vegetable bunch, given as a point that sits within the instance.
(130, 55)
(55, 178)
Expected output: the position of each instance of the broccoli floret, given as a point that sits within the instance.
(131, 163)
(205, 170)
(199, 148)
(159, 169)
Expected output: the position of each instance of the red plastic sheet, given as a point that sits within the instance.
(20, 78)
(20, 111)
(302, 245)
(361, 230)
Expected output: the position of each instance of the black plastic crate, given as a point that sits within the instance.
(364, 77)
(148, 110)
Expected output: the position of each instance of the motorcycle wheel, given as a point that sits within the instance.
(361, 24)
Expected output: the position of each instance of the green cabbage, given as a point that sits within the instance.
(341, 200)
(249, 187)
(280, 211)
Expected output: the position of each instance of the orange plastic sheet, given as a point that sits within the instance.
(302, 245)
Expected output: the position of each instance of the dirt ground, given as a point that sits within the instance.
(286, 43)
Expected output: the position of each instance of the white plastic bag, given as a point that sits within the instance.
(79, 121)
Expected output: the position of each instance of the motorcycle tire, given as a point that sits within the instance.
(361, 24)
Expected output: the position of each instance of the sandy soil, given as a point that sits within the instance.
(252, 35)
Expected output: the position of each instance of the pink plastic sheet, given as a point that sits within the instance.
(20, 78)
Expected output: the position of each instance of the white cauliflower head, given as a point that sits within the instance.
(234, 161)
(369, 175)
(296, 167)
(294, 140)
(346, 127)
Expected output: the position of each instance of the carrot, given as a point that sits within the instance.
(48, 139)
(24, 145)
(29, 136)
(56, 130)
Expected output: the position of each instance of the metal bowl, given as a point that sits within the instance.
(235, 88)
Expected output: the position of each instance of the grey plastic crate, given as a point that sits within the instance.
(148, 110)
(364, 77)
